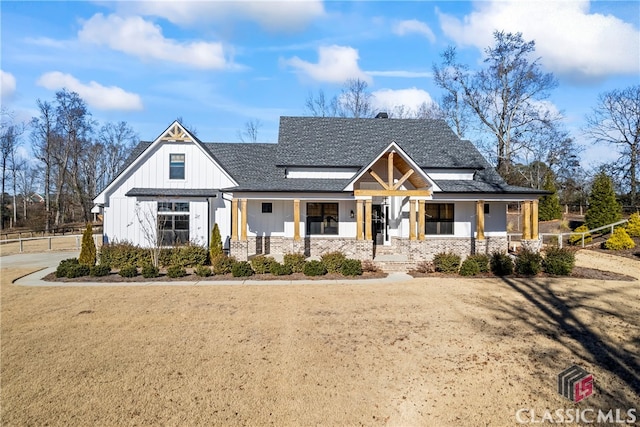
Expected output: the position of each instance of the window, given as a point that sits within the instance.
(439, 218)
(322, 218)
(487, 211)
(173, 223)
(267, 207)
(176, 166)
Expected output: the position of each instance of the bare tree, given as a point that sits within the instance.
(44, 141)
(505, 97)
(319, 106)
(354, 101)
(150, 228)
(616, 121)
(115, 141)
(250, 132)
(8, 142)
(27, 184)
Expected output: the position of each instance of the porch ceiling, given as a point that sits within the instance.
(415, 179)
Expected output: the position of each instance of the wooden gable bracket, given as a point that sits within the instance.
(175, 133)
(403, 179)
(380, 181)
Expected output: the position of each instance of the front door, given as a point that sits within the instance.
(379, 221)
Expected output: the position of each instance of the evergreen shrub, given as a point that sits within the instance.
(314, 268)
(528, 263)
(176, 271)
(559, 262)
(242, 269)
(619, 240)
(128, 271)
(351, 267)
(501, 264)
(295, 261)
(446, 262)
(333, 261)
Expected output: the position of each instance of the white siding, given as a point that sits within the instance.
(326, 173)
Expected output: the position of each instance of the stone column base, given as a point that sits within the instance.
(531, 245)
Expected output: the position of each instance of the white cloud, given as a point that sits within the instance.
(336, 64)
(410, 98)
(94, 94)
(570, 40)
(135, 36)
(288, 15)
(7, 84)
(403, 28)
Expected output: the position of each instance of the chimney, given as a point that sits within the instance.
(382, 115)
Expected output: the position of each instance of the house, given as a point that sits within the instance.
(366, 187)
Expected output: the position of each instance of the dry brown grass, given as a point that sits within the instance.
(426, 352)
(40, 245)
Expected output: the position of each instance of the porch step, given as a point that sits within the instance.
(394, 266)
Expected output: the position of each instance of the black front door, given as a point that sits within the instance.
(379, 223)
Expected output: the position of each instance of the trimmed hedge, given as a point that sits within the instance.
(314, 268)
(446, 262)
(278, 269)
(242, 269)
(78, 270)
(128, 271)
(148, 271)
(482, 260)
(100, 270)
(528, 263)
(351, 267)
(203, 271)
(262, 264)
(64, 266)
(117, 255)
(501, 264)
(175, 271)
(333, 261)
(559, 262)
(222, 264)
(469, 267)
(189, 255)
(295, 262)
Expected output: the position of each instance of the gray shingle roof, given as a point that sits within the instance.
(347, 142)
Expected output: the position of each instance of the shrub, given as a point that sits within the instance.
(128, 271)
(446, 262)
(65, 265)
(558, 261)
(88, 251)
(164, 257)
(241, 269)
(278, 269)
(333, 261)
(175, 271)
(215, 243)
(482, 260)
(117, 255)
(633, 226)
(203, 271)
(549, 207)
(222, 264)
(469, 267)
(528, 263)
(262, 264)
(425, 267)
(369, 267)
(149, 271)
(78, 270)
(603, 207)
(295, 261)
(576, 239)
(314, 268)
(189, 255)
(619, 240)
(501, 264)
(100, 270)
(351, 267)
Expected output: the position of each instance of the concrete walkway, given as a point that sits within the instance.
(47, 263)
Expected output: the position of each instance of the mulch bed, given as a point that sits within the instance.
(578, 272)
(633, 253)
(116, 278)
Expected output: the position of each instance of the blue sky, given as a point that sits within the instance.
(220, 64)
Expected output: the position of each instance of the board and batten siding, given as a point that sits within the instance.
(152, 171)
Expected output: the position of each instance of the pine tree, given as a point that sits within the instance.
(88, 251)
(549, 207)
(215, 243)
(603, 207)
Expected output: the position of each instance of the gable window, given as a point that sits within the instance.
(267, 207)
(439, 218)
(173, 223)
(322, 218)
(176, 166)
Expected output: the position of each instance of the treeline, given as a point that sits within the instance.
(74, 157)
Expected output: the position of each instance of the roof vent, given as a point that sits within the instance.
(382, 115)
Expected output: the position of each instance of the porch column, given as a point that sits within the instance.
(243, 230)
(526, 220)
(296, 220)
(234, 219)
(367, 220)
(534, 220)
(421, 219)
(359, 209)
(412, 220)
(480, 220)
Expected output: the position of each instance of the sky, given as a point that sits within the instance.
(219, 65)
